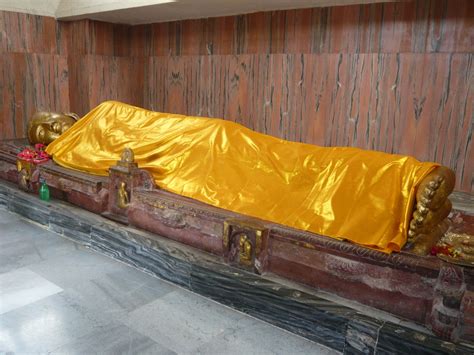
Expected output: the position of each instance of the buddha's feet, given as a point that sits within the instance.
(432, 208)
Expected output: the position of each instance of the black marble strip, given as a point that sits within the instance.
(414, 342)
(362, 335)
(326, 322)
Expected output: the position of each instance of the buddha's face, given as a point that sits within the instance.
(45, 127)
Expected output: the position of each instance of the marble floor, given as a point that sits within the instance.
(58, 297)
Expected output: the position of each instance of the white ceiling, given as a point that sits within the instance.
(35, 7)
(135, 12)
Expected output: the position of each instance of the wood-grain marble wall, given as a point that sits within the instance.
(62, 66)
(100, 65)
(395, 77)
(414, 26)
(33, 70)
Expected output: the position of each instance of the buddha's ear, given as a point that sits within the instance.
(41, 130)
(73, 115)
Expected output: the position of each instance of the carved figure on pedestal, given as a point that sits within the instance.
(24, 175)
(245, 250)
(127, 158)
(244, 243)
(122, 196)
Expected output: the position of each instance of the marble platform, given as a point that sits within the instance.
(341, 325)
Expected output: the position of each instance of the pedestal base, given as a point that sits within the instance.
(349, 328)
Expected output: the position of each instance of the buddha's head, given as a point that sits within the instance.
(45, 127)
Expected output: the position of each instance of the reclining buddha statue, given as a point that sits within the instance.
(371, 198)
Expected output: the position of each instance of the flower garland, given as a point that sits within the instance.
(36, 155)
(445, 249)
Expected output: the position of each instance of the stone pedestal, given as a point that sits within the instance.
(347, 328)
(123, 178)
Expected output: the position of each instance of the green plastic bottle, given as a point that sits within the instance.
(43, 190)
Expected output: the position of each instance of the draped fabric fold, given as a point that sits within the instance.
(347, 193)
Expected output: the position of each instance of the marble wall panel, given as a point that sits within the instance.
(25, 33)
(95, 37)
(412, 26)
(114, 78)
(140, 40)
(101, 38)
(78, 37)
(77, 42)
(21, 32)
(30, 82)
(79, 83)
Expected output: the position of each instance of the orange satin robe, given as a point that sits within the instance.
(347, 193)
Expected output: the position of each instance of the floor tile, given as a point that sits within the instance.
(182, 321)
(21, 287)
(46, 325)
(70, 269)
(118, 293)
(250, 336)
(17, 252)
(6, 217)
(118, 339)
(19, 230)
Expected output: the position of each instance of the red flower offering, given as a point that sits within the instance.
(36, 156)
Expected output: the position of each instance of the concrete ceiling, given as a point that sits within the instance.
(135, 12)
(35, 7)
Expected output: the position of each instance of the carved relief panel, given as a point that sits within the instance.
(120, 185)
(28, 175)
(245, 244)
(124, 178)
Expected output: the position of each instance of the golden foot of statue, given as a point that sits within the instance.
(427, 225)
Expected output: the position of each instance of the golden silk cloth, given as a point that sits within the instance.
(347, 193)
